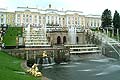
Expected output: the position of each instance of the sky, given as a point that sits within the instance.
(87, 6)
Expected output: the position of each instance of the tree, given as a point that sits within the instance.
(106, 19)
(116, 20)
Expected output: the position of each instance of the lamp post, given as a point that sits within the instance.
(118, 34)
(113, 32)
(107, 32)
(17, 42)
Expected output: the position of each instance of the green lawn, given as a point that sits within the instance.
(9, 66)
(11, 34)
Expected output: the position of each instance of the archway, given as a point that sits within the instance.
(77, 39)
(64, 40)
(58, 40)
(48, 39)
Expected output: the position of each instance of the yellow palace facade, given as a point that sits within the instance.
(49, 17)
(57, 24)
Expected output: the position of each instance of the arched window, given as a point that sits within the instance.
(64, 40)
(48, 39)
(58, 40)
(77, 39)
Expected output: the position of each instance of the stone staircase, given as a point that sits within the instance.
(83, 49)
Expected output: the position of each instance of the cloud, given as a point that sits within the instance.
(87, 6)
(3, 3)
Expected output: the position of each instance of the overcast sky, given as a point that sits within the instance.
(87, 6)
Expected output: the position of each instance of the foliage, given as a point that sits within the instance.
(106, 19)
(116, 20)
(11, 34)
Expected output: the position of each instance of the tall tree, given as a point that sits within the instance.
(106, 18)
(116, 20)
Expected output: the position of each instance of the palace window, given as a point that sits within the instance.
(35, 16)
(18, 20)
(78, 22)
(39, 17)
(43, 17)
(68, 22)
(59, 19)
(1, 20)
(75, 22)
(98, 24)
(72, 22)
(8, 20)
(2, 15)
(27, 20)
(69, 18)
(35, 20)
(56, 18)
(40, 21)
(56, 21)
(91, 24)
(48, 21)
(30, 16)
(48, 17)
(23, 19)
(94, 23)
(63, 19)
(18, 15)
(73, 18)
(26, 15)
(23, 15)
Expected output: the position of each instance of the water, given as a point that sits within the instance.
(72, 35)
(28, 31)
(89, 67)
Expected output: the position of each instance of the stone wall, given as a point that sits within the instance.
(53, 37)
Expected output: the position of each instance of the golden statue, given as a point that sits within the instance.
(34, 71)
(44, 54)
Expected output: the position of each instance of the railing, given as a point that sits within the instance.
(51, 29)
(110, 47)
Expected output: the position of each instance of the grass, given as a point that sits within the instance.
(10, 40)
(9, 66)
(11, 34)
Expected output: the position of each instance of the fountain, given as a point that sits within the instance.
(44, 59)
(72, 35)
(27, 29)
(35, 36)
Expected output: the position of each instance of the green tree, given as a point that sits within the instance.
(106, 19)
(116, 20)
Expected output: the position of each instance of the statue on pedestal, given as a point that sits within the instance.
(35, 71)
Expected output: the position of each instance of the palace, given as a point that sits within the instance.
(56, 22)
